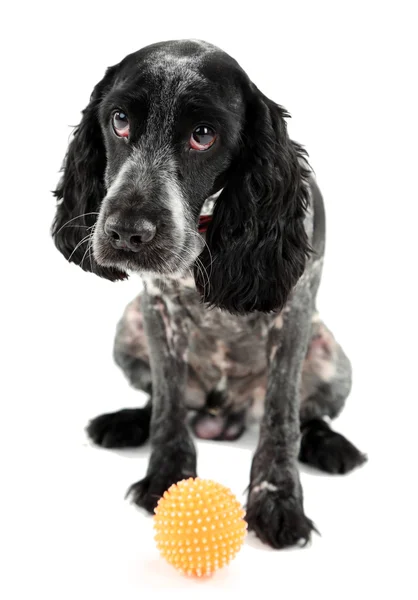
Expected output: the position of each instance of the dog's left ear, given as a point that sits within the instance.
(257, 243)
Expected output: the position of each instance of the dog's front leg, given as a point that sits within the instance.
(173, 455)
(275, 502)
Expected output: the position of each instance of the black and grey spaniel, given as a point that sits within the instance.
(182, 170)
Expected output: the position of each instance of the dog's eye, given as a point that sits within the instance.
(202, 138)
(120, 124)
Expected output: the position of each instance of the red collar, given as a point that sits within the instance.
(204, 221)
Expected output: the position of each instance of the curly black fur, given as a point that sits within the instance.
(257, 243)
(81, 189)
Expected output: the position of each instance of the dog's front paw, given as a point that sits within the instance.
(146, 492)
(126, 428)
(277, 519)
(169, 463)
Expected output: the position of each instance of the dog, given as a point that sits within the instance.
(182, 170)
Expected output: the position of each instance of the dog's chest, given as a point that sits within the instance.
(234, 345)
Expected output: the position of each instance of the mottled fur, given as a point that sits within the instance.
(227, 323)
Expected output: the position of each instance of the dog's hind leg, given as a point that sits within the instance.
(326, 384)
(128, 427)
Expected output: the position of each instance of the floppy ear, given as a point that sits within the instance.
(81, 189)
(257, 243)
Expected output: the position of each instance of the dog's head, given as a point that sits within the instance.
(166, 129)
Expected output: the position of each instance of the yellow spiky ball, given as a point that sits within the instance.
(199, 526)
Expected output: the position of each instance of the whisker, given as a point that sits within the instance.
(203, 271)
(78, 227)
(90, 246)
(182, 258)
(187, 266)
(90, 259)
(78, 245)
(73, 219)
(195, 233)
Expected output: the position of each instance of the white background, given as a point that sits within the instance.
(346, 72)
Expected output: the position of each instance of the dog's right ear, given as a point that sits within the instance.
(81, 188)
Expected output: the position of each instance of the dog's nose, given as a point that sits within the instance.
(126, 237)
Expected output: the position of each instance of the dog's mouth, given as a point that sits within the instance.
(164, 256)
(170, 253)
